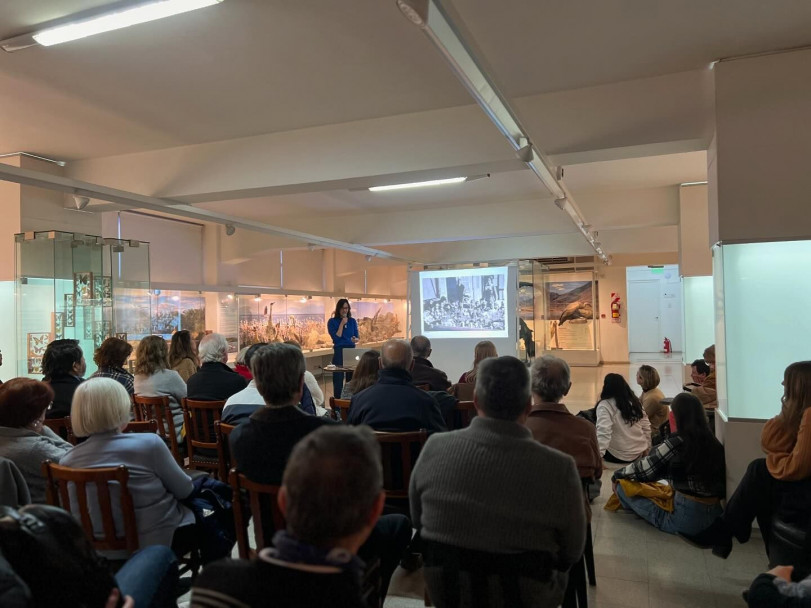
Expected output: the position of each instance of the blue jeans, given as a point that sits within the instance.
(338, 377)
(688, 515)
(150, 577)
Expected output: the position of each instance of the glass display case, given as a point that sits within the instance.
(77, 286)
(568, 301)
(762, 295)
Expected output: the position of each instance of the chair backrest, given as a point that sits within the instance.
(260, 499)
(222, 432)
(341, 406)
(423, 387)
(463, 391)
(461, 415)
(399, 452)
(58, 478)
(141, 426)
(198, 420)
(62, 427)
(158, 408)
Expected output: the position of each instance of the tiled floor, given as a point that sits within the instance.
(638, 566)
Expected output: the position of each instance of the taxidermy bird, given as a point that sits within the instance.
(576, 310)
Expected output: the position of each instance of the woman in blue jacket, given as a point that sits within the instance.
(343, 330)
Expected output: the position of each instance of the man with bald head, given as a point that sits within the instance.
(424, 372)
(394, 404)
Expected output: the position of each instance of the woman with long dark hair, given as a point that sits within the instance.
(778, 484)
(183, 355)
(623, 429)
(365, 374)
(692, 461)
(343, 330)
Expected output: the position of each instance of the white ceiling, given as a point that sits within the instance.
(620, 91)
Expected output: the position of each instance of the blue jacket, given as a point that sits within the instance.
(394, 404)
(350, 330)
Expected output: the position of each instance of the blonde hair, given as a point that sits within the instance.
(650, 377)
(483, 350)
(151, 356)
(796, 395)
(99, 405)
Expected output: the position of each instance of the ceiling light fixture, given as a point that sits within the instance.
(433, 182)
(704, 183)
(107, 22)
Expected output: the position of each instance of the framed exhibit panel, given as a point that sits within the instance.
(77, 286)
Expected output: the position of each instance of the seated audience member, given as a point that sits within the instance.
(651, 398)
(183, 354)
(483, 350)
(239, 406)
(153, 378)
(110, 358)
(623, 429)
(262, 445)
(313, 397)
(394, 404)
(215, 381)
(492, 488)
(777, 588)
(101, 409)
(778, 485)
(63, 366)
(424, 372)
(707, 392)
(241, 367)
(24, 438)
(699, 370)
(365, 374)
(692, 462)
(554, 426)
(314, 562)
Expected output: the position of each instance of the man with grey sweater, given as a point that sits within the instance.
(492, 489)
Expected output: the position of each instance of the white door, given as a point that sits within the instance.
(644, 329)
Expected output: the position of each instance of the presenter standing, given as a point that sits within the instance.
(343, 330)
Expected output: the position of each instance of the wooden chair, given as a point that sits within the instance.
(199, 418)
(260, 499)
(399, 452)
(62, 427)
(461, 415)
(341, 407)
(423, 387)
(463, 391)
(225, 459)
(158, 408)
(57, 479)
(143, 426)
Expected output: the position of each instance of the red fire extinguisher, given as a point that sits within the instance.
(668, 346)
(615, 307)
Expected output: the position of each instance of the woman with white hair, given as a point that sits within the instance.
(100, 411)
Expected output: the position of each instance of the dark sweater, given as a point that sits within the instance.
(425, 373)
(214, 382)
(63, 387)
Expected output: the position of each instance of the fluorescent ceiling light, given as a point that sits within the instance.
(118, 20)
(704, 183)
(433, 182)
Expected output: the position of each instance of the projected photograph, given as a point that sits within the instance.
(464, 303)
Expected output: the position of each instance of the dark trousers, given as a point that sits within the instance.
(760, 496)
(387, 542)
(338, 377)
(609, 457)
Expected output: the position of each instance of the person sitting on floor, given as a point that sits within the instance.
(776, 589)
(314, 562)
(651, 398)
(692, 461)
(707, 391)
(492, 489)
(215, 381)
(555, 426)
(424, 372)
(63, 366)
(110, 358)
(623, 429)
(262, 445)
(699, 370)
(779, 484)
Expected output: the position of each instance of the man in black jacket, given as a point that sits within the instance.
(394, 404)
(215, 381)
(424, 372)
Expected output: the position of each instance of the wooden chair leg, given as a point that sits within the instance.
(588, 554)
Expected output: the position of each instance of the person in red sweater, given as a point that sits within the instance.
(779, 484)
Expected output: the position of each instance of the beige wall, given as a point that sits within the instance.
(695, 256)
